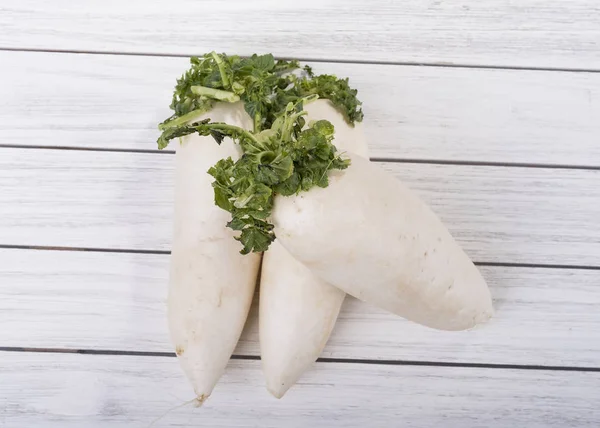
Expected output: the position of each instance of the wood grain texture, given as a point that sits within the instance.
(108, 301)
(50, 390)
(108, 101)
(528, 33)
(125, 201)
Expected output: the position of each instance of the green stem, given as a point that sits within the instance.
(256, 121)
(215, 94)
(310, 98)
(290, 121)
(285, 70)
(222, 71)
(233, 128)
(181, 120)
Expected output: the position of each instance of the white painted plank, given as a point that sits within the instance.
(124, 200)
(50, 390)
(60, 299)
(530, 33)
(109, 101)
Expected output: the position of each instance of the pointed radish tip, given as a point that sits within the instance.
(200, 399)
(278, 391)
(475, 321)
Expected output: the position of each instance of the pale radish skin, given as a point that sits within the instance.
(211, 284)
(372, 237)
(297, 310)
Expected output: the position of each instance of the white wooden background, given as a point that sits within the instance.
(489, 109)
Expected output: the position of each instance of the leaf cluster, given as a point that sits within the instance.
(281, 155)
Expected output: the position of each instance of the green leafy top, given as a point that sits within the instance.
(215, 77)
(264, 85)
(280, 155)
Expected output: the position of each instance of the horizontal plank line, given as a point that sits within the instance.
(464, 365)
(452, 65)
(85, 249)
(320, 360)
(318, 60)
(537, 265)
(84, 149)
(373, 159)
(487, 163)
(167, 252)
(85, 351)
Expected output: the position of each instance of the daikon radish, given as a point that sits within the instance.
(347, 221)
(297, 310)
(370, 236)
(278, 158)
(211, 284)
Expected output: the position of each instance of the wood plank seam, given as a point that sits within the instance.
(419, 363)
(166, 252)
(318, 60)
(373, 159)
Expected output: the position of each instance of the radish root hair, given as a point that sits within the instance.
(197, 402)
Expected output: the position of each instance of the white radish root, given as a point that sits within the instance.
(298, 310)
(372, 237)
(297, 313)
(211, 284)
